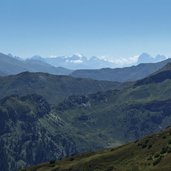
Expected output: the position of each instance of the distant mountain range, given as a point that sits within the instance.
(10, 65)
(81, 62)
(132, 73)
(146, 58)
(76, 62)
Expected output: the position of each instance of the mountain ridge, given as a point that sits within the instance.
(14, 65)
(78, 61)
(161, 75)
(11, 66)
(132, 73)
(53, 87)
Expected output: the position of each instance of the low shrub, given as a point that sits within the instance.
(157, 161)
(52, 162)
(164, 150)
(169, 142)
(71, 159)
(150, 145)
(156, 155)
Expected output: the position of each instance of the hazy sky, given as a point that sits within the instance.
(115, 28)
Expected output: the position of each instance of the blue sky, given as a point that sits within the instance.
(114, 28)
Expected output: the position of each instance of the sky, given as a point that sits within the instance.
(113, 28)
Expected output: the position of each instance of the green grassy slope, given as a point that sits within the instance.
(152, 153)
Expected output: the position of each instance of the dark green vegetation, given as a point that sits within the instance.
(152, 153)
(30, 133)
(121, 74)
(53, 88)
(12, 65)
(35, 129)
